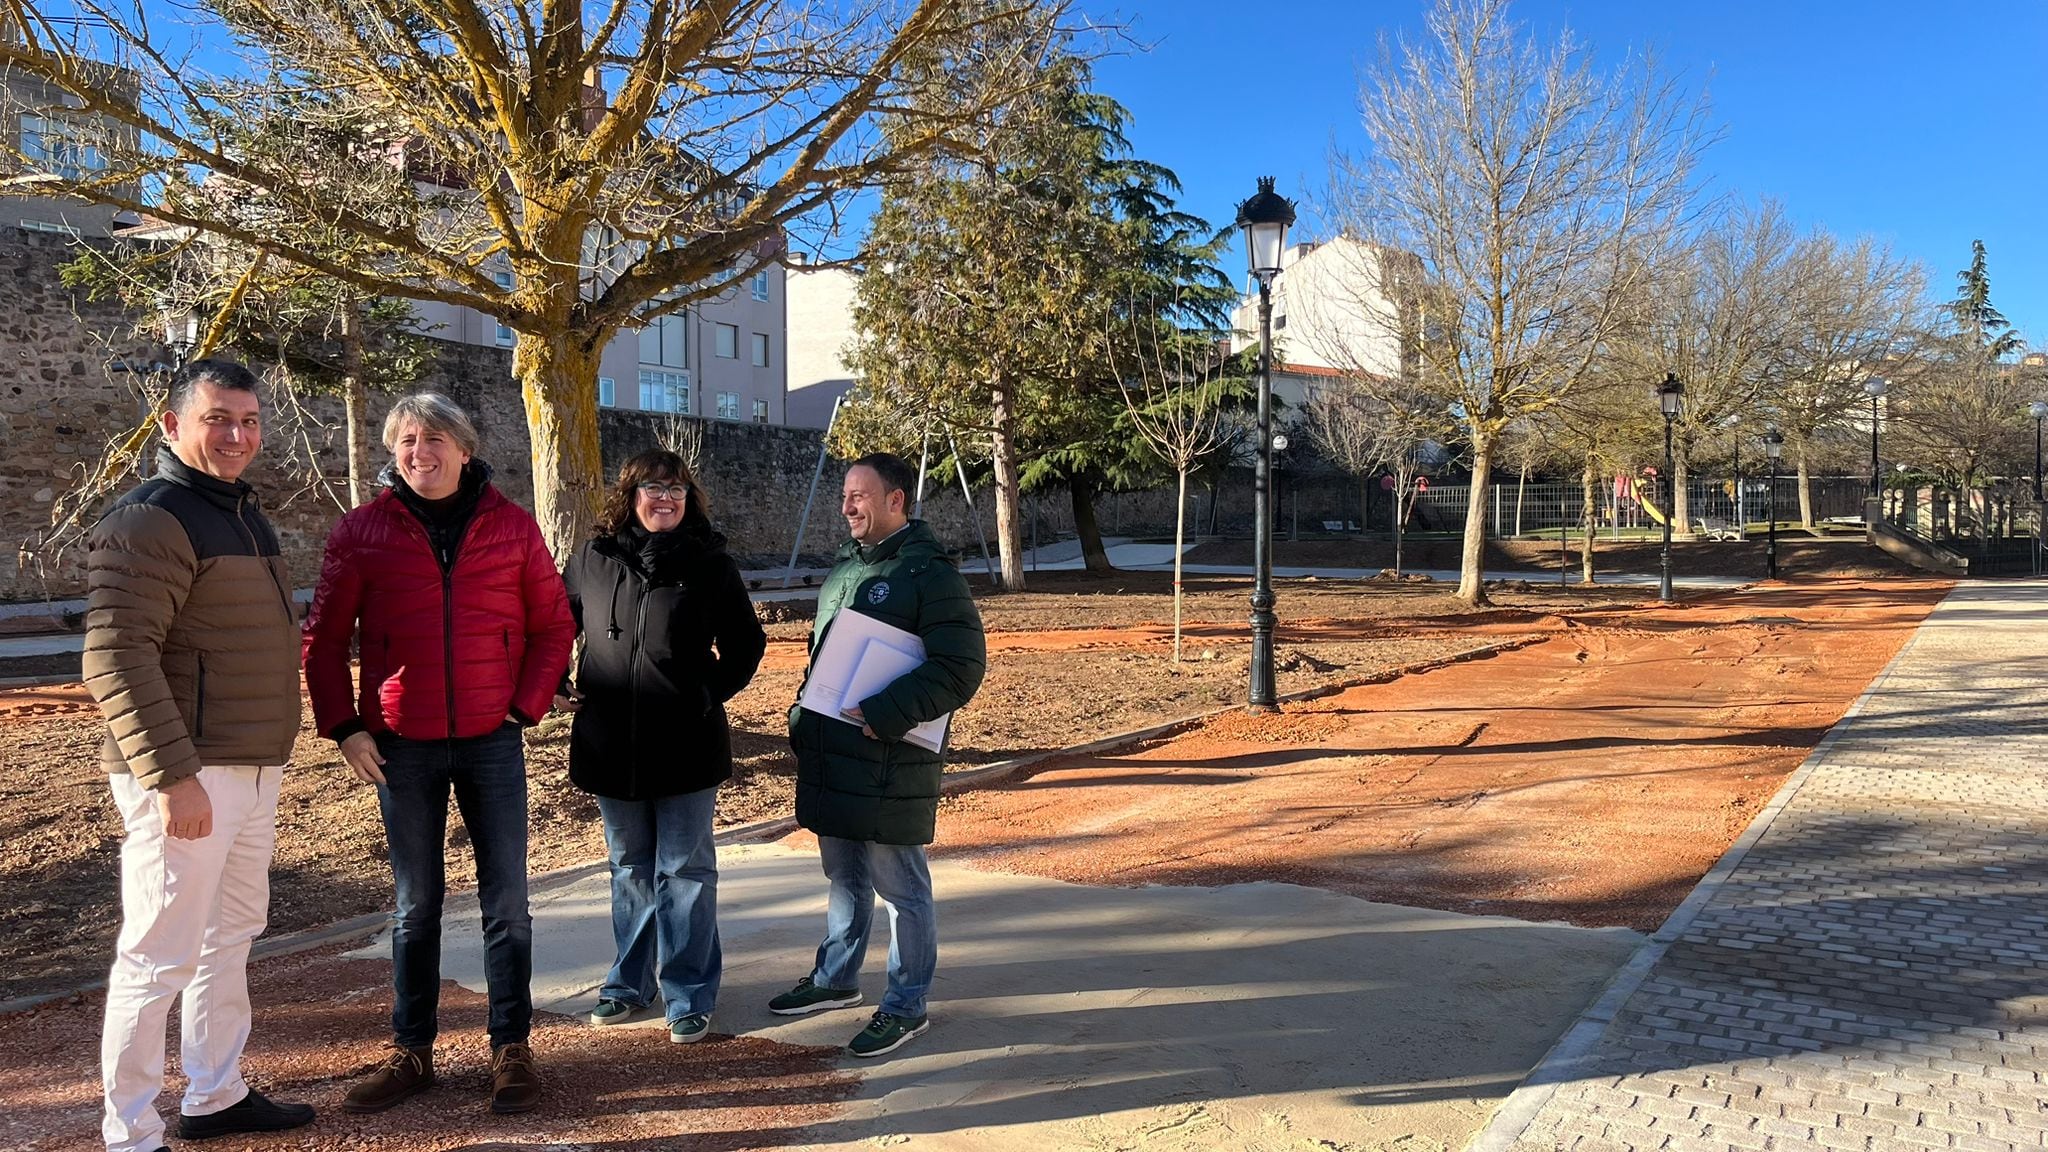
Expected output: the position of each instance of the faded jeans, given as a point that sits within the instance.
(859, 871)
(664, 902)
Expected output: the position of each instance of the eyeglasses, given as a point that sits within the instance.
(672, 491)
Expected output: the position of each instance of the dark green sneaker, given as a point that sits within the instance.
(610, 1012)
(885, 1034)
(807, 997)
(689, 1029)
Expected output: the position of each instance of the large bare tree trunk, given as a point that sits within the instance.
(1805, 492)
(558, 381)
(355, 402)
(1589, 519)
(1092, 554)
(1472, 562)
(1009, 501)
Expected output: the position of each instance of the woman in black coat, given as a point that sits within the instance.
(669, 636)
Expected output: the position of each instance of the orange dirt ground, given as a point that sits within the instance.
(1592, 777)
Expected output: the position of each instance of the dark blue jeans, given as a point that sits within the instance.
(488, 777)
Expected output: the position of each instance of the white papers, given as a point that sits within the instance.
(860, 657)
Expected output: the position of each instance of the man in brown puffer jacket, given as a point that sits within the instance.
(191, 650)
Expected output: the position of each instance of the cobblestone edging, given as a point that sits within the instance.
(1870, 972)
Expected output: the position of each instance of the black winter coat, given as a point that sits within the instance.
(669, 636)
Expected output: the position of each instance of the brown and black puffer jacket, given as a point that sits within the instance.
(191, 646)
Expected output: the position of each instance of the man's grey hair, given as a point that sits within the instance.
(433, 412)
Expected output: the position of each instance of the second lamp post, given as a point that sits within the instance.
(1264, 219)
(1774, 447)
(1669, 395)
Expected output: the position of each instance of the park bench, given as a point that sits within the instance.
(1715, 528)
(1340, 526)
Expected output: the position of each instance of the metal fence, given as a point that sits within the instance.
(1514, 509)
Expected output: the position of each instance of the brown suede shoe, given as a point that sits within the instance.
(405, 1073)
(515, 1084)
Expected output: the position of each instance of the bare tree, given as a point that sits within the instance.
(569, 170)
(1721, 315)
(1368, 427)
(1853, 305)
(1174, 400)
(1532, 191)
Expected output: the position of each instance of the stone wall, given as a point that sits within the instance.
(64, 398)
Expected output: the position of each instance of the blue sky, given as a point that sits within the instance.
(1922, 125)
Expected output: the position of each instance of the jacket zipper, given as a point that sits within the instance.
(447, 563)
(283, 597)
(199, 703)
(633, 667)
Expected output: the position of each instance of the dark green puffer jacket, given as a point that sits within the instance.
(885, 790)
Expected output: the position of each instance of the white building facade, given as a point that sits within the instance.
(820, 336)
(1330, 317)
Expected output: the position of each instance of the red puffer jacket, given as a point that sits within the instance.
(498, 619)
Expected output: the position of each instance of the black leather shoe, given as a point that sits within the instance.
(252, 1113)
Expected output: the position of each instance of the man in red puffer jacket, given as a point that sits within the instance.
(463, 630)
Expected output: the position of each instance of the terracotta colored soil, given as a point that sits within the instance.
(1593, 777)
(322, 1021)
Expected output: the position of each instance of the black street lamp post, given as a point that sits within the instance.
(1669, 395)
(1874, 388)
(1774, 447)
(1264, 219)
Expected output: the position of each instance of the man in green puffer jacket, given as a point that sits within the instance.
(871, 797)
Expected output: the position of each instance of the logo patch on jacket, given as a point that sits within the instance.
(878, 592)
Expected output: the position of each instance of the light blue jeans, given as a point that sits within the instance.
(664, 902)
(859, 871)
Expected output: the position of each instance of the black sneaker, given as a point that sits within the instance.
(886, 1033)
(253, 1113)
(807, 997)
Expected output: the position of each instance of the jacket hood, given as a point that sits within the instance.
(916, 541)
(670, 554)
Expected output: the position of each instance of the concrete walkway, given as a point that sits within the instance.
(1256, 1016)
(1872, 972)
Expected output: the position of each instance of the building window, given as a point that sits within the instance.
(59, 147)
(666, 341)
(664, 391)
(607, 392)
(728, 405)
(760, 411)
(505, 336)
(728, 341)
(761, 285)
(760, 349)
(46, 226)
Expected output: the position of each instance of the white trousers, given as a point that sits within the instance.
(189, 910)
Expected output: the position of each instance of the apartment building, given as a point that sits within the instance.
(47, 137)
(723, 358)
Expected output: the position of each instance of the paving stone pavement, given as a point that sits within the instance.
(1873, 975)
